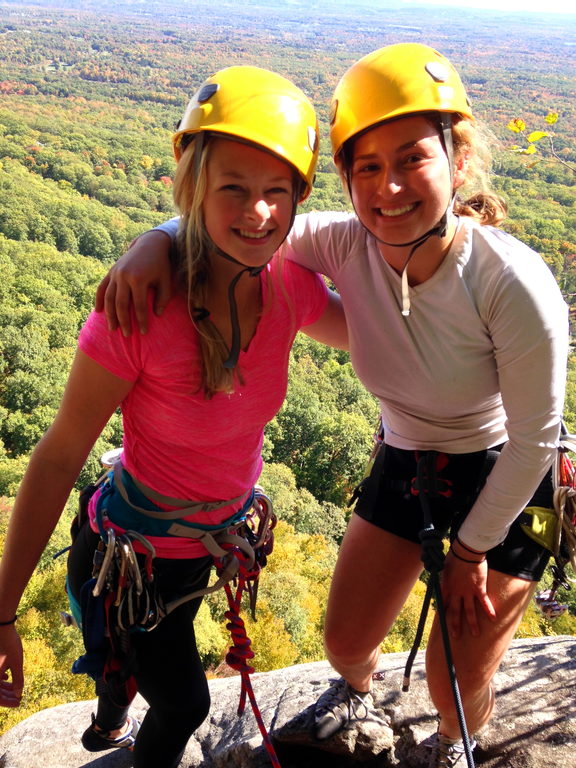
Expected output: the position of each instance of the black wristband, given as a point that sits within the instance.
(472, 551)
(464, 560)
(7, 623)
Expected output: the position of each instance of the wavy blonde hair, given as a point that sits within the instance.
(480, 201)
(194, 264)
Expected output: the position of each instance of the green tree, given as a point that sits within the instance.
(298, 507)
(324, 429)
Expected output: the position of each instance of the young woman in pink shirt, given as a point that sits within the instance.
(195, 393)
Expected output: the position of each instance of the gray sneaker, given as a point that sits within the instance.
(447, 753)
(339, 705)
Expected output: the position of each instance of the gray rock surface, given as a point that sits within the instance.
(534, 725)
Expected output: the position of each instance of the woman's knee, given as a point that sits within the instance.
(178, 697)
(362, 606)
(167, 728)
(338, 647)
(191, 711)
(347, 640)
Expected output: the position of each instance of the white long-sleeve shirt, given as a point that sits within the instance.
(480, 360)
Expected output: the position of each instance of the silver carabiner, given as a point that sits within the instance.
(106, 562)
(264, 511)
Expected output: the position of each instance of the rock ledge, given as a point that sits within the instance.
(534, 725)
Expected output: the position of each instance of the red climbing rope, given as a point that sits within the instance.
(241, 650)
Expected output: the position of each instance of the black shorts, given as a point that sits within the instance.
(386, 499)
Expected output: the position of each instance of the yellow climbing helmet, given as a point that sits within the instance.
(393, 81)
(258, 106)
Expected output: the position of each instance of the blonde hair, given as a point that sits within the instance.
(481, 202)
(194, 249)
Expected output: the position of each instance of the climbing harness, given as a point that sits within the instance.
(555, 528)
(122, 596)
(427, 485)
(366, 491)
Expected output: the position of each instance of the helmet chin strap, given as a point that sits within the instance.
(232, 359)
(201, 313)
(439, 229)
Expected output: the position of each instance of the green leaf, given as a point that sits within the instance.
(536, 136)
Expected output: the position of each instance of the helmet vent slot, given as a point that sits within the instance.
(207, 91)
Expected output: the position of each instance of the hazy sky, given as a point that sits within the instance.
(541, 6)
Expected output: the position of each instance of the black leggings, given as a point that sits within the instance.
(167, 666)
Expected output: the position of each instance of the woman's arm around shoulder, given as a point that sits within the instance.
(324, 241)
(145, 266)
(330, 328)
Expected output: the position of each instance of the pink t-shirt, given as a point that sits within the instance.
(175, 440)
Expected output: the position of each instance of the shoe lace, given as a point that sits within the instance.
(357, 706)
(338, 693)
(447, 755)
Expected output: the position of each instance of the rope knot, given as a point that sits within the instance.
(432, 550)
(241, 650)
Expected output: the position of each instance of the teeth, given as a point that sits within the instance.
(253, 235)
(397, 211)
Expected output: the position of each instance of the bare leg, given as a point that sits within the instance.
(373, 577)
(476, 659)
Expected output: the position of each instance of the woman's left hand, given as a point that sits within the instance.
(463, 590)
(145, 266)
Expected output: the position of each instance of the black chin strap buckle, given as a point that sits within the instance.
(200, 313)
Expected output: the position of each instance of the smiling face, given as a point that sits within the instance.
(247, 207)
(400, 179)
